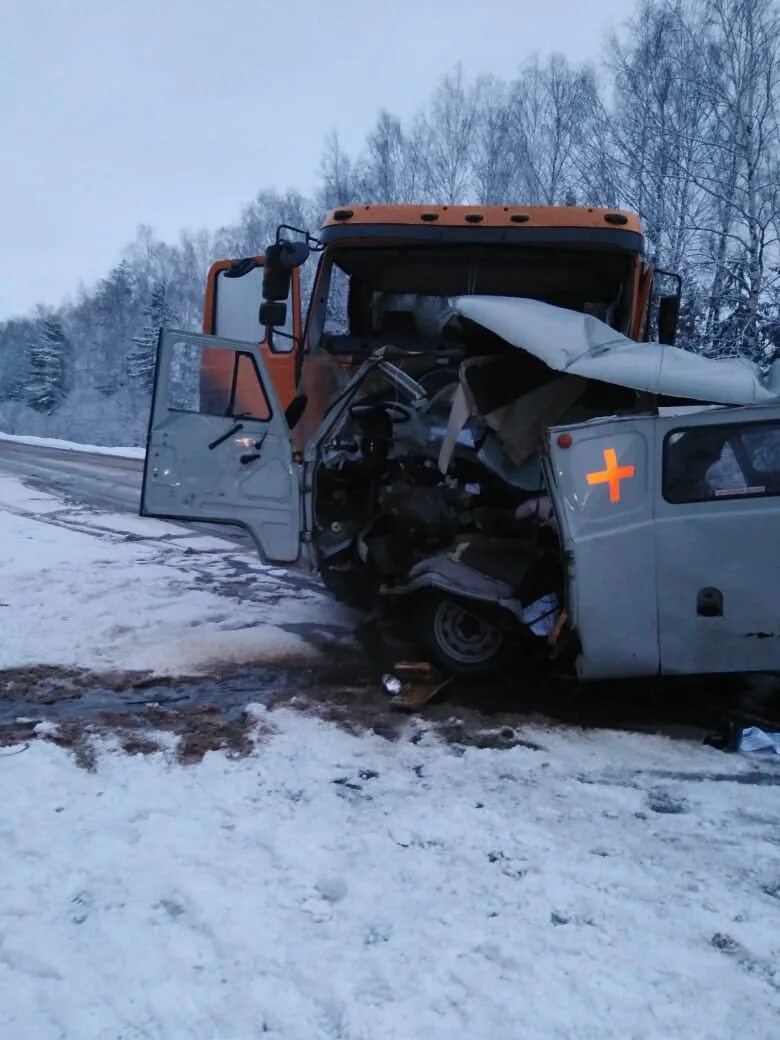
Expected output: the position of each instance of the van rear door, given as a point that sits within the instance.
(716, 530)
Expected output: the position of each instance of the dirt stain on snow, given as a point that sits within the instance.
(202, 713)
(209, 713)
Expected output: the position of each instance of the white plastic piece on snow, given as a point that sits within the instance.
(392, 685)
(255, 710)
(541, 615)
(46, 728)
(755, 741)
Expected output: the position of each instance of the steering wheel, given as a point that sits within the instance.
(396, 413)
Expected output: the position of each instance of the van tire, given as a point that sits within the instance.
(459, 642)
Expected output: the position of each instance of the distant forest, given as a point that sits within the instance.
(679, 121)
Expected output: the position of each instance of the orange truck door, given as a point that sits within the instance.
(234, 293)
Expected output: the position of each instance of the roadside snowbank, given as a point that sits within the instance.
(92, 449)
(95, 591)
(607, 886)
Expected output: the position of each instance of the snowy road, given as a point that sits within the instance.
(108, 481)
(89, 478)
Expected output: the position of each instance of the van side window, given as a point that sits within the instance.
(718, 462)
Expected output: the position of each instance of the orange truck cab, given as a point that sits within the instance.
(380, 265)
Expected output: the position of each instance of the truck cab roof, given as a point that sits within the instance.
(485, 224)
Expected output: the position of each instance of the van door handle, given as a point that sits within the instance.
(225, 436)
(709, 603)
(246, 459)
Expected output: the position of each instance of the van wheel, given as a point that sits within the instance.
(459, 642)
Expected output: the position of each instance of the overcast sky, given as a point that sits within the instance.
(175, 112)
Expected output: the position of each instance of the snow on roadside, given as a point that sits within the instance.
(93, 591)
(606, 886)
(92, 449)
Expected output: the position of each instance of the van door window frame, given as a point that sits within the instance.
(731, 439)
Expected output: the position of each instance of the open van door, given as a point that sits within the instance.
(234, 293)
(218, 447)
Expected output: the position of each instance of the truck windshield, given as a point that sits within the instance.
(369, 292)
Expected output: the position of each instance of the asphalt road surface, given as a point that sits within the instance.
(87, 478)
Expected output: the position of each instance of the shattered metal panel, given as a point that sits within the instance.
(568, 341)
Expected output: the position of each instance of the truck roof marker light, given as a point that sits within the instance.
(474, 218)
(612, 474)
(429, 217)
(343, 214)
(615, 218)
(519, 218)
(565, 440)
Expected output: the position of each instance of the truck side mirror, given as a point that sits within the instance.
(280, 259)
(273, 315)
(668, 316)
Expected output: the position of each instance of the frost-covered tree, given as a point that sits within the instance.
(551, 106)
(116, 317)
(49, 367)
(15, 337)
(741, 41)
(341, 180)
(448, 131)
(656, 129)
(497, 172)
(695, 135)
(158, 314)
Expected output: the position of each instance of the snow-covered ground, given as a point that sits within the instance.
(96, 591)
(93, 449)
(331, 886)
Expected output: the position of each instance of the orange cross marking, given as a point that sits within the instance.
(612, 475)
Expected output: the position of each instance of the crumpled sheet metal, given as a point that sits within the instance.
(581, 345)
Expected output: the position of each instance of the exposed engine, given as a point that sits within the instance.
(431, 520)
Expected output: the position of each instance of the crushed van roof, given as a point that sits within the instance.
(581, 345)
